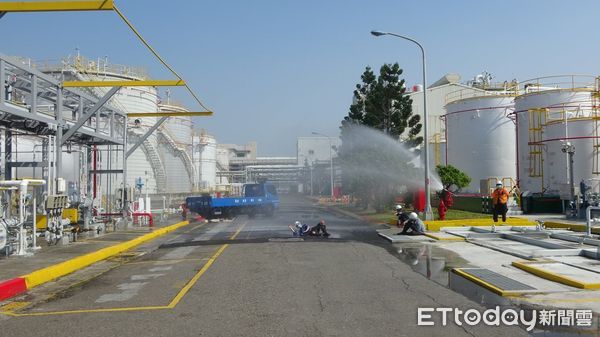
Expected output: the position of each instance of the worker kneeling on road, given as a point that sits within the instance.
(320, 228)
(499, 202)
(414, 225)
(401, 216)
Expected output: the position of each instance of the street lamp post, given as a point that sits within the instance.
(330, 159)
(428, 212)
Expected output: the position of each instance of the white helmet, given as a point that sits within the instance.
(298, 224)
(413, 216)
(398, 207)
(498, 183)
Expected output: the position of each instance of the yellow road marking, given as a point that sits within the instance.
(12, 306)
(196, 277)
(535, 268)
(237, 232)
(171, 305)
(171, 261)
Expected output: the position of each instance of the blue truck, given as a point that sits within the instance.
(257, 198)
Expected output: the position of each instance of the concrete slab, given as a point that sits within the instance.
(393, 238)
(443, 236)
(501, 263)
(560, 272)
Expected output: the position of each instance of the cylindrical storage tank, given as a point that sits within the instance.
(175, 144)
(579, 132)
(208, 161)
(532, 111)
(480, 138)
(180, 128)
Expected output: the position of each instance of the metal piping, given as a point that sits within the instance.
(588, 217)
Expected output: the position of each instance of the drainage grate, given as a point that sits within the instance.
(497, 280)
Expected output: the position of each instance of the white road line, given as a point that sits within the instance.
(129, 290)
(213, 231)
(178, 253)
(155, 269)
(146, 277)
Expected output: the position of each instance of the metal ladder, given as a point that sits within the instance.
(155, 162)
(187, 160)
(537, 118)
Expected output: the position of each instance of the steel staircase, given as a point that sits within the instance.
(178, 151)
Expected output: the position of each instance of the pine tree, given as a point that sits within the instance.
(381, 103)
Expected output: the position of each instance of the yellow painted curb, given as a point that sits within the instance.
(573, 227)
(488, 286)
(50, 273)
(435, 225)
(444, 238)
(529, 266)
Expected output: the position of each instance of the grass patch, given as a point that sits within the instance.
(389, 216)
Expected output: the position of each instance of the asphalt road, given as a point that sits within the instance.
(248, 277)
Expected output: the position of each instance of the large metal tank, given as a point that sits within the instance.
(179, 128)
(206, 152)
(580, 132)
(480, 138)
(175, 144)
(540, 112)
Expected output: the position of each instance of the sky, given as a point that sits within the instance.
(275, 70)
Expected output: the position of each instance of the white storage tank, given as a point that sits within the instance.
(206, 152)
(175, 144)
(580, 132)
(540, 114)
(179, 128)
(480, 138)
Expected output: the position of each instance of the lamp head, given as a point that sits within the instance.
(377, 33)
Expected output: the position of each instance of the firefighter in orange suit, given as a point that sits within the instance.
(499, 202)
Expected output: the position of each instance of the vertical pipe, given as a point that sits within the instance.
(94, 175)
(7, 154)
(428, 211)
(45, 159)
(331, 165)
(58, 139)
(3, 82)
(34, 218)
(124, 195)
(89, 193)
(34, 94)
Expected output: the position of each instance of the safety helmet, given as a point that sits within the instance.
(498, 183)
(398, 207)
(298, 224)
(413, 216)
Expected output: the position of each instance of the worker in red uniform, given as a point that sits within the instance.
(499, 202)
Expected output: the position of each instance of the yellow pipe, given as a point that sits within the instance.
(144, 83)
(55, 6)
(169, 114)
